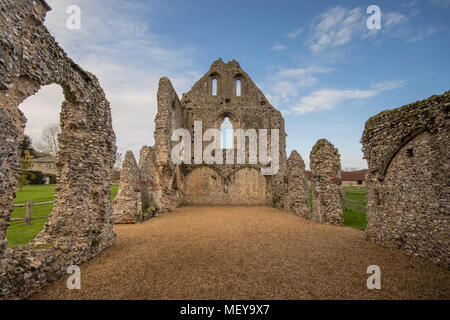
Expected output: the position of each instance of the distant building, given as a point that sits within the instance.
(354, 178)
(350, 178)
(46, 165)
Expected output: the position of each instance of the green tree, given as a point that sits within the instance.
(26, 162)
(27, 146)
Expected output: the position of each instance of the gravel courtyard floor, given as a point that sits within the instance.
(248, 253)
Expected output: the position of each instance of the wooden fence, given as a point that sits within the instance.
(29, 211)
(354, 204)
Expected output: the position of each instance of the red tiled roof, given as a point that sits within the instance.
(348, 175)
(354, 175)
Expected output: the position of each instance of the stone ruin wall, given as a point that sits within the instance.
(408, 187)
(166, 186)
(81, 224)
(237, 184)
(326, 186)
(128, 203)
(297, 199)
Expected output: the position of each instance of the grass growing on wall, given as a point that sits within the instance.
(20, 234)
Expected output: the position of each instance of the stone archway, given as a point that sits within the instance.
(81, 224)
(247, 187)
(203, 186)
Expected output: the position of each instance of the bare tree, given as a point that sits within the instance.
(119, 160)
(49, 136)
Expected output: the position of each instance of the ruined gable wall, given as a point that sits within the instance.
(250, 110)
(408, 181)
(81, 224)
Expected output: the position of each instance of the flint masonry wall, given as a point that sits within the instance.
(81, 224)
(408, 187)
(230, 184)
(327, 192)
(169, 117)
(128, 202)
(297, 199)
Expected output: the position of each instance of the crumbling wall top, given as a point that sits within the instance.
(401, 125)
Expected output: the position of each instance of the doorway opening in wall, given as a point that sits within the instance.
(38, 153)
(227, 134)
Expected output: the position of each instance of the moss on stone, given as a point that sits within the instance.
(318, 146)
(401, 114)
(43, 246)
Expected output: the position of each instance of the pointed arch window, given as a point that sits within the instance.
(214, 87)
(238, 87)
(227, 134)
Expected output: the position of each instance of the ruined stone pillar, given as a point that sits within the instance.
(128, 202)
(297, 199)
(325, 165)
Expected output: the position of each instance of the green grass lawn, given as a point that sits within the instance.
(18, 233)
(353, 217)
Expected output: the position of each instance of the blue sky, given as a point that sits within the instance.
(316, 61)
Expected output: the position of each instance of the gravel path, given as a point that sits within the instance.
(248, 253)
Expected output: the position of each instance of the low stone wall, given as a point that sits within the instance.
(408, 205)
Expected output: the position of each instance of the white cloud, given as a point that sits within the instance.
(294, 34)
(340, 26)
(441, 3)
(327, 99)
(388, 85)
(302, 72)
(286, 84)
(278, 47)
(393, 19)
(117, 45)
(337, 27)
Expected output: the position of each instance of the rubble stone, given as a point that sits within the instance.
(327, 192)
(297, 199)
(128, 202)
(408, 205)
(81, 223)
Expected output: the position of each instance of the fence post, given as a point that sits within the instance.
(28, 212)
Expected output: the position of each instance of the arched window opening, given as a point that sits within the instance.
(227, 134)
(38, 153)
(214, 87)
(238, 88)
